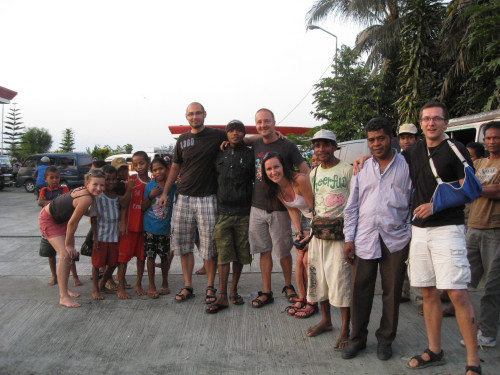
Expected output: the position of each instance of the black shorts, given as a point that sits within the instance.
(46, 249)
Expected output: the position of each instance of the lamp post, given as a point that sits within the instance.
(314, 27)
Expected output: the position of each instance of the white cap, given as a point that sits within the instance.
(45, 159)
(324, 134)
(407, 128)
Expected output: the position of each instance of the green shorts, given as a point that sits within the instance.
(231, 239)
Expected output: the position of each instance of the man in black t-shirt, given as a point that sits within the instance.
(438, 256)
(195, 206)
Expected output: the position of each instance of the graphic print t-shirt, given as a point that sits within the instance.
(331, 189)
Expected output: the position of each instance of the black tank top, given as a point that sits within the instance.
(61, 208)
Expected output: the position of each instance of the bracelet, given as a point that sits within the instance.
(298, 233)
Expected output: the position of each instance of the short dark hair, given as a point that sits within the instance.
(98, 164)
(379, 123)
(50, 169)
(432, 104)
(161, 161)
(477, 147)
(109, 169)
(141, 154)
(489, 125)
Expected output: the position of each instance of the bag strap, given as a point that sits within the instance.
(433, 168)
(455, 150)
(314, 191)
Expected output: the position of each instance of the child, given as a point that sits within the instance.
(157, 226)
(131, 231)
(105, 217)
(52, 190)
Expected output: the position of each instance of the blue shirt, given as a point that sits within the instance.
(40, 175)
(379, 204)
(156, 218)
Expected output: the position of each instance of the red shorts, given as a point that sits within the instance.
(107, 255)
(49, 227)
(132, 244)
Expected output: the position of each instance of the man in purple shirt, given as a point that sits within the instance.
(377, 233)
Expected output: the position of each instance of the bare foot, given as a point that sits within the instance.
(318, 329)
(52, 282)
(73, 294)
(201, 271)
(139, 291)
(68, 302)
(153, 294)
(77, 282)
(164, 290)
(97, 295)
(122, 294)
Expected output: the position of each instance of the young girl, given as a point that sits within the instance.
(157, 226)
(295, 192)
(131, 229)
(58, 222)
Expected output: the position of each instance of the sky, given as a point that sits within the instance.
(120, 71)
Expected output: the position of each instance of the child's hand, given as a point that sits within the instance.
(96, 245)
(123, 229)
(130, 184)
(155, 192)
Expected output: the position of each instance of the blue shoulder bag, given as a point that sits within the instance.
(452, 194)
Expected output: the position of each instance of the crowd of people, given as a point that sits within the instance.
(241, 195)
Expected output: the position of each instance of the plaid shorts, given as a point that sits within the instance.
(190, 213)
(156, 245)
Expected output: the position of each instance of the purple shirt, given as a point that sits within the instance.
(379, 204)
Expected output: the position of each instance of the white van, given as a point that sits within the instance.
(351, 150)
(469, 128)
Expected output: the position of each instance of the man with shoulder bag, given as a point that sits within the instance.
(328, 273)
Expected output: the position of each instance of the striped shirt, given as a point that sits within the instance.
(107, 211)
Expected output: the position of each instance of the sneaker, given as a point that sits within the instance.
(483, 341)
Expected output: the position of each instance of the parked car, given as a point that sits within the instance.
(5, 172)
(72, 167)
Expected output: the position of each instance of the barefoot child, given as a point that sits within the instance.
(105, 218)
(52, 190)
(131, 231)
(58, 223)
(157, 226)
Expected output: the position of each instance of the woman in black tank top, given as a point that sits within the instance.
(58, 223)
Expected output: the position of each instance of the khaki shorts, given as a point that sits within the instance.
(438, 257)
(231, 239)
(328, 273)
(270, 231)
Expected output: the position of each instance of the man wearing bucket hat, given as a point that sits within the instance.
(328, 273)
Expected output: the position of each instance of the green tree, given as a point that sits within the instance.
(15, 131)
(350, 99)
(68, 141)
(101, 153)
(417, 77)
(35, 141)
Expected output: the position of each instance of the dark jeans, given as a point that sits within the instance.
(363, 278)
(490, 303)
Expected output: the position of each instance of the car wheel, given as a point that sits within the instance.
(29, 185)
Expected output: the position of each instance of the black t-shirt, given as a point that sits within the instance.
(449, 168)
(291, 155)
(196, 155)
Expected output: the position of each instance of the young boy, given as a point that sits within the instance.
(48, 193)
(105, 218)
(131, 230)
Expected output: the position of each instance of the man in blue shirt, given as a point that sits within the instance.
(39, 174)
(377, 235)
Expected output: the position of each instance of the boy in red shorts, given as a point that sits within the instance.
(49, 192)
(105, 219)
(131, 230)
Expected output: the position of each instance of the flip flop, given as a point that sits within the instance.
(214, 308)
(153, 295)
(164, 291)
(237, 299)
(315, 331)
(338, 344)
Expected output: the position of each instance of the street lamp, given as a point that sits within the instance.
(314, 27)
